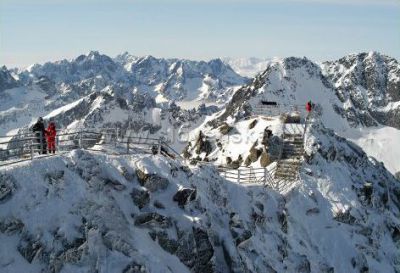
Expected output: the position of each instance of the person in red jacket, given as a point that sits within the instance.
(309, 106)
(51, 137)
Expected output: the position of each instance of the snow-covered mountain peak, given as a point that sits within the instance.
(248, 67)
(126, 60)
(7, 80)
(369, 83)
(97, 211)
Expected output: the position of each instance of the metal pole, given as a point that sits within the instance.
(127, 145)
(159, 146)
(80, 138)
(31, 149)
(116, 136)
(265, 176)
(57, 142)
(41, 142)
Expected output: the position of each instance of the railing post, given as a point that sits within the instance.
(31, 149)
(41, 142)
(265, 176)
(159, 146)
(127, 145)
(57, 143)
(116, 136)
(238, 176)
(80, 139)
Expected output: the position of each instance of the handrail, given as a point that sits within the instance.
(79, 138)
(249, 175)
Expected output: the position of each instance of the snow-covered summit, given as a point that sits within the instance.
(369, 83)
(7, 81)
(248, 67)
(171, 79)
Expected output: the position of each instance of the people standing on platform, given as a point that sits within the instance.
(40, 134)
(51, 137)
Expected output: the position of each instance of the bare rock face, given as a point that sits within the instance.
(345, 217)
(235, 164)
(152, 219)
(135, 268)
(205, 252)
(193, 248)
(377, 76)
(184, 196)
(152, 182)
(186, 154)
(254, 153)
(114, 241)
(225, 128)
(30, 249)
(11, 226)
(265, 159)
(140, 197)
(253, 124)
(203, 145)
(127, 174)
(7, 187)
(7, 81)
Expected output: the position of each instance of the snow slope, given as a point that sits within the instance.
(91, 212)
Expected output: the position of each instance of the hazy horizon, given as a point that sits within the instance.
(196, 29)
(194, 59)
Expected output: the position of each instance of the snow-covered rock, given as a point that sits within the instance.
(248, 67)
(7, 81)
(356, 96)
(86, 212)
(368, 84)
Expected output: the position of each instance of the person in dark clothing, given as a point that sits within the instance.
(40, 134)
(51, 137)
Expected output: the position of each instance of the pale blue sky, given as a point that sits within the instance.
(41, 30)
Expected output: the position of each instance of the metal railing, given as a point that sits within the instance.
(28, 146)
(278, 109)
(248, 175)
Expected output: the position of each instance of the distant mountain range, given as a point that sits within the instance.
(356, 91)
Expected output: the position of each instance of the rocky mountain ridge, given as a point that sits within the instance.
(91, 212)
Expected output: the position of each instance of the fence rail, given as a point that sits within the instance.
(28, 146)
(249, 175)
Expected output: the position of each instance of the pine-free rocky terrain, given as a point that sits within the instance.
(91, 211)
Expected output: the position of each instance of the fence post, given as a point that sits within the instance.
(31, 149)
(127, 145)
(41, 142)
(80, 138)
(159, 146)
(238, 177)
(265, 176)
(116, 136)
(57, 143)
